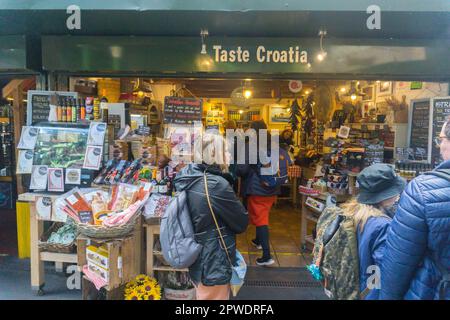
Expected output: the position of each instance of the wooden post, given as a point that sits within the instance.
(37, 265)
(18, 116)
(150, 245)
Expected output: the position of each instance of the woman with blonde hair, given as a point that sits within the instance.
(372, 212)
(212, 271)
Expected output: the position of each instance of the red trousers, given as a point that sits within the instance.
(259, 209)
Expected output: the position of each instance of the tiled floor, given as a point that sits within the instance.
(284, 238)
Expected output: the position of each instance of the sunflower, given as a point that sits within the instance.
(142, 288)
(132, 295)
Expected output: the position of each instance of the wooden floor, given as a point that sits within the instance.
(284, 239)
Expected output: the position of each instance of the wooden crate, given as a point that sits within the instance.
(90, 292)
(124, 257)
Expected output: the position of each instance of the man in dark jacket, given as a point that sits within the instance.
(418, 243)
(212, 268)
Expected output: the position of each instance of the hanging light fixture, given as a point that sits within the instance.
(322, 54)
(204, 33)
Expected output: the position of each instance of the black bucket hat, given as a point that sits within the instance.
(379, 182)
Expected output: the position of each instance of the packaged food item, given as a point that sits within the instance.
(100, 216)
(98, 256)
(123, 196)
(80, 206)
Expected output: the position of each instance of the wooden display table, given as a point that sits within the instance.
(153, 231)
(312, 216)
(37, 256)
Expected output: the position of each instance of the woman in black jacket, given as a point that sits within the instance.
(212, 271)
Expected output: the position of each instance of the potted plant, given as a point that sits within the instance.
(178, 286)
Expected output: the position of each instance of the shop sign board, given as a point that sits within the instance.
(440, 111)
(419, 124)
(178, 110)
(38, 104)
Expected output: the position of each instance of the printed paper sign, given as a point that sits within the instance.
(44, 208)
(73, 176)
(58, 213)
(28, 138)
(25, 162)
(39, 177)
(97, 132)
(93, 157)
(55, 180)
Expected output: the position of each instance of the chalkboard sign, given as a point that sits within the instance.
(440, 111)
(38, 105)
(419, 122)
(182, 110)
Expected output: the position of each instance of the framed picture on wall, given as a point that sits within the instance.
(384, 88)
(369, 92)
(278, 114)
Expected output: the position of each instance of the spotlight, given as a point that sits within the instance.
(353, 97)
(248, 94)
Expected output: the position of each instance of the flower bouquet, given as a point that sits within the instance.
(142, 288)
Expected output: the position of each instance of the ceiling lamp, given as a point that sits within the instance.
(354, 91)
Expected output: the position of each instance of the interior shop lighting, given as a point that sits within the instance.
(343, 89)
(241, 111)
(203, 34)
(322, 54)
(248, 93)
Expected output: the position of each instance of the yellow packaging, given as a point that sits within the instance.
(98, 256)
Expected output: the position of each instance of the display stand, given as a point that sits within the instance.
(37, 256)
(124, 261)
(153, 231)
(311, 215)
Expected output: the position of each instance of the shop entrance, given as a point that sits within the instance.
(374, 114)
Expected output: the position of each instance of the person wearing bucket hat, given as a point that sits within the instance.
(372, 211)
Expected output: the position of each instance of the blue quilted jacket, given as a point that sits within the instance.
(419, 231)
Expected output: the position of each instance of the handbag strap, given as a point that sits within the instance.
(215, 219)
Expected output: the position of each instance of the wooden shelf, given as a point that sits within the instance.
(59, 257)
(167, 268)
(4, 120)
(6, 179)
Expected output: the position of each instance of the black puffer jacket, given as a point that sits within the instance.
(212, 266)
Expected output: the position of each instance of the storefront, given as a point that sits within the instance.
(350, 101)
(19, 60)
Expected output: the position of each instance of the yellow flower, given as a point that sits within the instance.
(133, 295)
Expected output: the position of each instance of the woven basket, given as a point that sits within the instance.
(104, 232)
(54, 247)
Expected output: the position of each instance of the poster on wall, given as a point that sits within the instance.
(38, 104)
(279, 114)
(182, 110)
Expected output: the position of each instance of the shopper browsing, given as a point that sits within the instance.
(417, 258)
(372, 212)
(350, 240)
(212, 271)
(260, 196)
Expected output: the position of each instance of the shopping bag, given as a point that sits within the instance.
(238, 275)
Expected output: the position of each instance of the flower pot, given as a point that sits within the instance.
(171, 294)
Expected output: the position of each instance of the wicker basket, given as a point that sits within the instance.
(104, 232)
(54, 247)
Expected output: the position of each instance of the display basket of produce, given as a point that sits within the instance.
(100, 214)
(60, 238)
